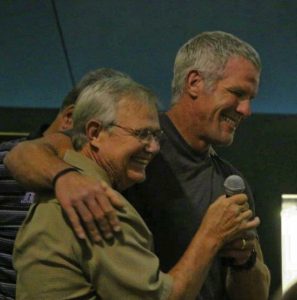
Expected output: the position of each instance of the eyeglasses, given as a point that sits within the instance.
(144, 135)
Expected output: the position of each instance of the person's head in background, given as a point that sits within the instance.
(216, 75)
(115, 123)
(63, 120)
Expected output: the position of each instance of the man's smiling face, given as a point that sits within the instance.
(219, 110)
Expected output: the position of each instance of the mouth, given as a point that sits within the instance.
(144, 161)
(232, 119)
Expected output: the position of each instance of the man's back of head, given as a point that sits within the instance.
(63, 120)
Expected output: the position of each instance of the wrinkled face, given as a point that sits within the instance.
(218, 112)
(123, 155)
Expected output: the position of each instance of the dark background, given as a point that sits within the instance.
(46, 46)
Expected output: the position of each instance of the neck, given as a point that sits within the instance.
(54, 127)
(180, 112)
(91, 154)
(94, 154)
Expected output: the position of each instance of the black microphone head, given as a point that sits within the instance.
(234, 184)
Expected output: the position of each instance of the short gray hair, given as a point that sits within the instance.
(88, 79)
(96, 75)
(99, 101)
(208, 53)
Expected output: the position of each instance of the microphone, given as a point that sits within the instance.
(233, 185)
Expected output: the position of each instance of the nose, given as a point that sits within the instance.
(244, 108)
(153, 146)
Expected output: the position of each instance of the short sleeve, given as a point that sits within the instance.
(126, 267)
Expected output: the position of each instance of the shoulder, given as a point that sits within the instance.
(228, 169)
(43, 224)
(44, 210)
(5, 147)
(225, 166)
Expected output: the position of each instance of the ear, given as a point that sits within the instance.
(193, 83)
(67, 113)
(93, 129)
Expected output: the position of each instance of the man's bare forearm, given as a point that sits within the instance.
(190, 272)
(35, 163)
(223, 221)
(250, 284)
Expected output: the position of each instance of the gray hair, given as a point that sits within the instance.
(88, 79)
(99, 101)
(208, 53)
(98, 74)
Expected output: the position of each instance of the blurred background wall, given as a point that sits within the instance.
(46, 46)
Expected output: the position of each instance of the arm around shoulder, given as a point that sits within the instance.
(35, 163)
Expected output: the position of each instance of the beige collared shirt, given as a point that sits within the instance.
(52, 263)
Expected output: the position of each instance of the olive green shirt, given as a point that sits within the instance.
(52, 263)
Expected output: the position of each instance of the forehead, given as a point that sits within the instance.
(240, 68)
(133, 112)
(240, 73)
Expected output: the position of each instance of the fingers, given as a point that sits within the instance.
(89, 204)
(236, 253)
(251, 234)
(75, 221)
(228, 217)
(114, 200)
(245, 215)
(248, 222)
(99, 213)
(104, 216)
(113, 196)
(240, 199)
(237, 244)
(98, 218)
(239, 256)
(86, 214)
(244, 207)
(239, 249)
(251, 224)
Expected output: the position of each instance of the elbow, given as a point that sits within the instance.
(12, 164)
(8, 161)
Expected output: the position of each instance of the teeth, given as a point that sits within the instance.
(141, 161)
(229, 120)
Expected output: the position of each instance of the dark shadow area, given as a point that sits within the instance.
(17, 122)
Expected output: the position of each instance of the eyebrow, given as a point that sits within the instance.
(241, 90)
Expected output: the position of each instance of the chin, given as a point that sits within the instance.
(135, 175)
(137, 178)
(227, 138)
(223, 142)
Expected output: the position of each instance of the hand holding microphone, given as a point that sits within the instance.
(240, 251)
(233, 185)
(228, 218)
